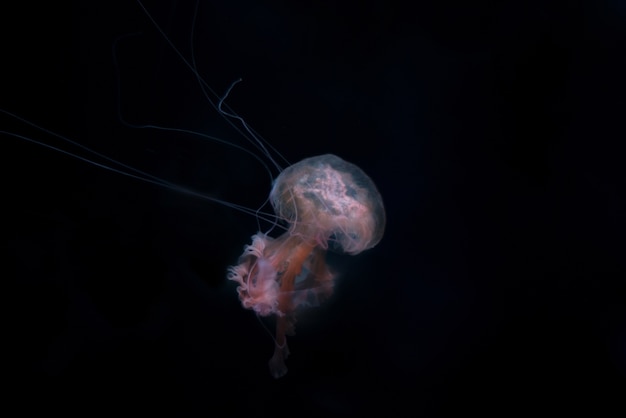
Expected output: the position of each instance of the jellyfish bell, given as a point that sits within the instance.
(322, 199)
(326, 196)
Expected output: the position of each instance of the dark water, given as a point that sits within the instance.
(493, 130)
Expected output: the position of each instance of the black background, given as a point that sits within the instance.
(493, 130)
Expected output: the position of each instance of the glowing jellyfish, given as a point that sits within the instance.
(324, 200)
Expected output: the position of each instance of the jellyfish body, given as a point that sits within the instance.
(326, 201)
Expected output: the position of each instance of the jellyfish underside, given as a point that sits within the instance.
(324, 200)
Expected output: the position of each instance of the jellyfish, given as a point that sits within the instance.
(326, 202)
